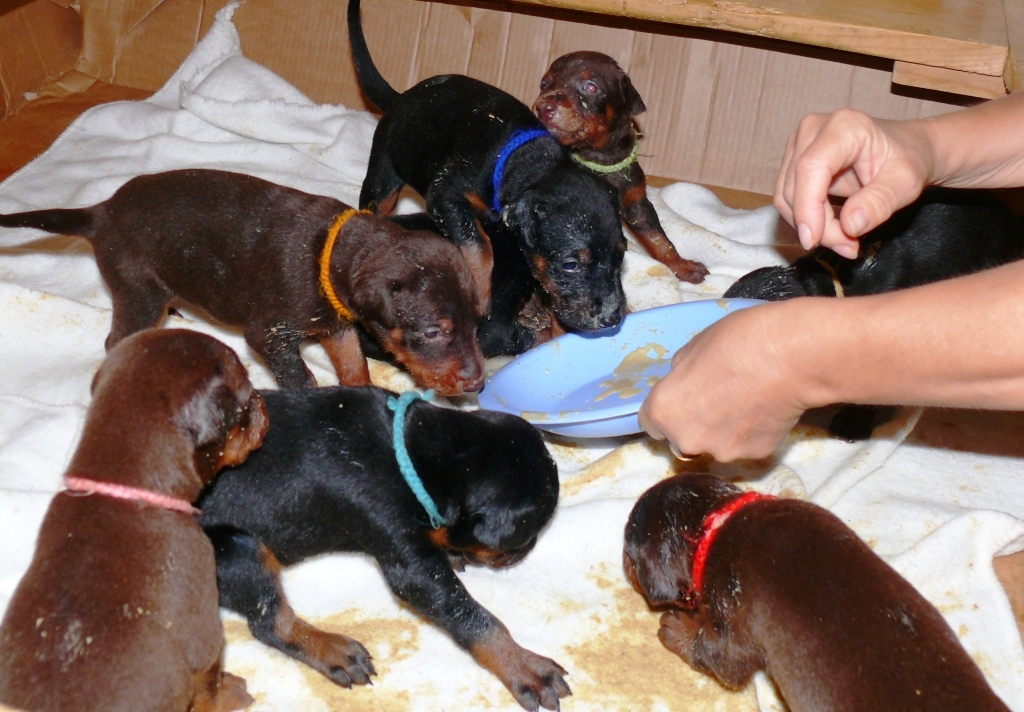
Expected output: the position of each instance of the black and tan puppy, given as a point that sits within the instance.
(588, 103)
(456, 141)
(327, 480)
(118, 610)
(944, 234)
(784, 586)
(249, 253)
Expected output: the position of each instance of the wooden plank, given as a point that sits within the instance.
(967, 35)
(982, 86)
(1014, 73)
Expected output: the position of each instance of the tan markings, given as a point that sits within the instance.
(476, 202)
(498, 652)
(609, 114)
(439, 538)
(480, 260)
(386, 205)
(346, 354)
(633, 194)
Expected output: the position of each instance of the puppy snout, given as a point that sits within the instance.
(472, 377)
(610, 312)
(546, 108)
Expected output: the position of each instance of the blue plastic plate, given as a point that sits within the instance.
(592, 385)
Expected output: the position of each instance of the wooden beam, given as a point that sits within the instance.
(983, 86)
(1014, 74)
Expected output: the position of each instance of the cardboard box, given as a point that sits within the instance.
(720, 105)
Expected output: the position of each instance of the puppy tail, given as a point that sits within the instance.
(78, 222)
(376, 87)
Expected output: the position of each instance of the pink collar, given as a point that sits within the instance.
(80, 484)
(708, 532)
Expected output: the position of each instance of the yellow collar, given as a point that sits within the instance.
(325, 264)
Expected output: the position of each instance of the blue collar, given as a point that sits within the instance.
(517, 139)
(400, 405)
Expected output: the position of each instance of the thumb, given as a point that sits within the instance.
(875, 203)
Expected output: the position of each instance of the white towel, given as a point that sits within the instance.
(938, 516)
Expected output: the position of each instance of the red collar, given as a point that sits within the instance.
(83, 485)
(708, 531)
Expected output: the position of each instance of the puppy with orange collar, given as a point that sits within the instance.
(118, 609)
(756, 583)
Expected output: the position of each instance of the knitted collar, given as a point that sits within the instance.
(517, 139)
(400, 405)
(109, 489)
(325, 264)
(709, 529)
(605, 169)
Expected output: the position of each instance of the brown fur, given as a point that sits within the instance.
(791, 590)
(588, 103)
(118, 610)
(248, 252)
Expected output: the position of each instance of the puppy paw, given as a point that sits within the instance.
(535, 681)
(232, 694)
(678, 632)
(538, 682)
(688, 271)
(343, 660)
(534, 315)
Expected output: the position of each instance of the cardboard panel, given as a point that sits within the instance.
(446, 41)
(152, 49)
(527, 53)
(490, 40)
(105, 22)
(39, 41)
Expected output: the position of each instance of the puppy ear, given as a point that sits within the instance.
(210, 412)
(519, 217)
(480, 260)
(634, 104)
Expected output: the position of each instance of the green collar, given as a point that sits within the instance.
(605, 169)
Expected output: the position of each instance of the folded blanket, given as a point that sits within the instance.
(938, 515)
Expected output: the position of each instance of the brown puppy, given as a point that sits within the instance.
(784, 586)
(249, 252)
(118, 610)
(588, 103)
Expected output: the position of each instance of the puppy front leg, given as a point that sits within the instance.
(346, 354)
(249, 584)
(642, 219)
(425, 580)
(689, 636)
(278, 346)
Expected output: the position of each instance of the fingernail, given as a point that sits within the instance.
(847, 251)
(803, 232)
(858, 222)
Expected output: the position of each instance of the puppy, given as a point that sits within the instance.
(588, 103)
(118, 610)
(249, 252)
(327, 479)
(478, 156)
(944, 234)
(784, 586)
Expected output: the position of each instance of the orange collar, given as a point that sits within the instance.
(708, 532)
(325, 264)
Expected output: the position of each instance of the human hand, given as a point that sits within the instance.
(733, 389)
(879, 165)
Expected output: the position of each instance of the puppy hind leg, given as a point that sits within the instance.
(248, 578)
(136, 307)
(278, 346)
(379, 193)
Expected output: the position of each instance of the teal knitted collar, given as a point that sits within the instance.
(400, 405)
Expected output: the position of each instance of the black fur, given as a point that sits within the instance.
(443, 137)
(327, 480)
(944, 234)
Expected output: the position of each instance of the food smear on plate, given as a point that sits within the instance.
(631, 370)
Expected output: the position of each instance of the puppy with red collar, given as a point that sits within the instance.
(756, 583)
(118, 610)
(588, 103)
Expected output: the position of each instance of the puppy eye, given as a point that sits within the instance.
(544, 84)
(571, 266)
(432, 332)
(590, 88)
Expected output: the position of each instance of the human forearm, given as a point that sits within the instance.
(982, 147)
(952, 343)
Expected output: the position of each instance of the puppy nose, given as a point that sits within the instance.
(546, 109)
(472, 378)
(612, 319)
